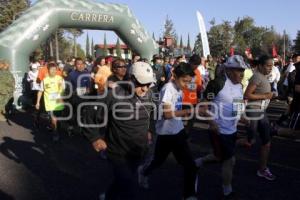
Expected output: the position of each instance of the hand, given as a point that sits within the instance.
(162, 78)
(37, 106)
(99, 145)
(269, 95)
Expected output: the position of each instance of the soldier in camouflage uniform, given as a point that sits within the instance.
(7, 86)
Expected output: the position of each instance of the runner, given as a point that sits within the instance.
(226, 94)
(125, 140)
(170, 130)
(119, 71)
(159, 72)
(32, 79)
(192, 93)
(258, 94)
(51, 88)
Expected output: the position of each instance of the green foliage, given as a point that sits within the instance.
(188, 43)
(242, 35)
(169, 29)
(220, 38)
(93, 49)
(105, 50)
(118, 48)
(11, 10)
(87, 46)
(198, 49)
(296, 47)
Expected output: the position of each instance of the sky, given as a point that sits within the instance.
(282, 14)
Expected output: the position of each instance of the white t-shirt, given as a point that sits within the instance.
(274, 76)
(170, 94)
(230, 104)
(32, 77)
(290, 69)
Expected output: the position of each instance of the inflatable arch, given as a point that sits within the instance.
(21, 38)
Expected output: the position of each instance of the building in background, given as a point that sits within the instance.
(126, 52)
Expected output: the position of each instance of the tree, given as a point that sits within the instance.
(118, 48)
(181, 42)
(296, 46)
(11, 10)
(198, 48)
(105, 53)
(220, 37)
(188, 43)
(169, 30)
(93, 49)
(75, 33)
(87, 46)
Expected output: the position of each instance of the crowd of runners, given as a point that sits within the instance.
(136, 112)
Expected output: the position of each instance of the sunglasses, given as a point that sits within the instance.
(137, 84)
(121, 66)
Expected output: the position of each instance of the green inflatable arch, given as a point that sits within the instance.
(21, 38)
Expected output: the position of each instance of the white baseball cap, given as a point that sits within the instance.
(143, 73)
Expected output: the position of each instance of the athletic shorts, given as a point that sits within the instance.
(56, 113)
(223, 145)
(261, 127)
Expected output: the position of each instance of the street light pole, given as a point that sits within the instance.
(284, 53)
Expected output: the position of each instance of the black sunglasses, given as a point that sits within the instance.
(137, 84)
(121, 66)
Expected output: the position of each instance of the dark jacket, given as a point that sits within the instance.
(159, 72)
(126, 139)
(214, 87)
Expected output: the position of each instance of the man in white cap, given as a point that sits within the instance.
(125, 140)
(226, 95)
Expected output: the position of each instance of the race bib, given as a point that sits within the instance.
(54, 96)
(81, 91)
(238, 107)
(265, 104)
(192, 86)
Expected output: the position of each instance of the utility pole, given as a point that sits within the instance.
(284, 48)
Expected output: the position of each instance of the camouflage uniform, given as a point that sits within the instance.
(7, 86)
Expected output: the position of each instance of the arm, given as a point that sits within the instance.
(95, 115)
(250, 93)
(39, 96)
(168, 113)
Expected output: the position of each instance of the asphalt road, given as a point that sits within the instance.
(34, 168)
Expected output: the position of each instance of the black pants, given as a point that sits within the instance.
(177, 144)
(125, 185)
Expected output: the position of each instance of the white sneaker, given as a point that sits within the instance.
(102, 196)
(143, 180)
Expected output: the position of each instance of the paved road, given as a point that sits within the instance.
(33, 168)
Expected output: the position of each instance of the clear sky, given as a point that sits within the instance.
(282, 14)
